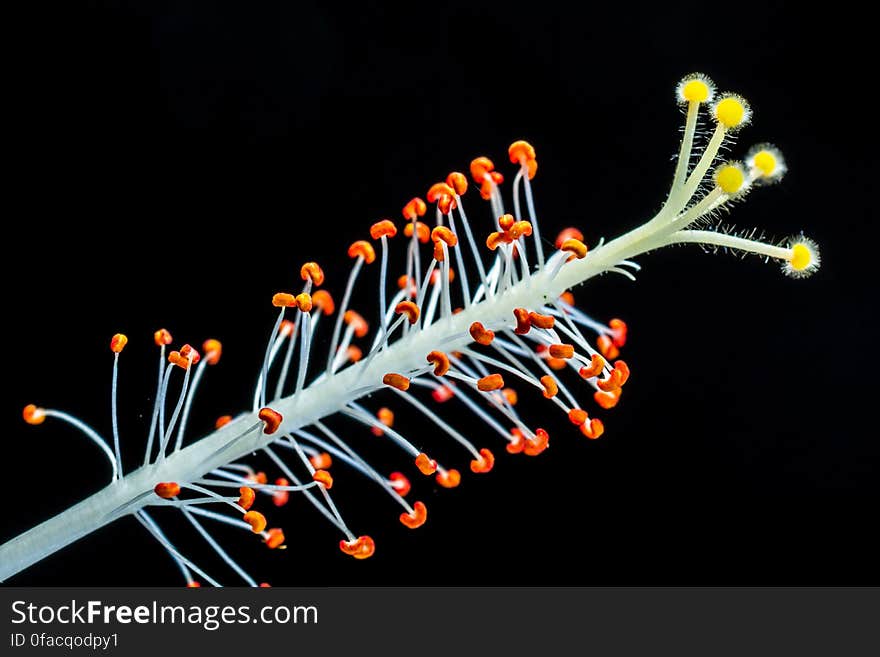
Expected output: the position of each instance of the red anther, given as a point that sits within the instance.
(577, 416)
(516, 445)
(448, 478)
(481, 334)
(222, 421)
(321, 461)
(256, 520)
(611, 382)
(510, 395)
(322, 300)
(362, 249)
(275, 539)
(505, 221)
(167, 489)
(607, 347)
(193, 585)
(531, 168)
(521, 151)
(542, 321)
(383, 228)
(281, 497)
(438, 190)
(523, 325)
(435, 278)
(490, 383)
(607, 399)
(118, 342)
(287, 328)
(304, 302)
(425, 464)
(618, 332)
(597, 363)
(400, 483)
(162, 338)
(363, 547)
(386, 417)
(416, 518)
(593, 429)
(440, 361)
(395, 380)
(458, 182)
(246, 497)
(480, 167)
(187, 354)
(265, 585)
(496, 239)
(423, 233)
(519, 229)
(443, 233)
(213, 350)
(485, 463)
(536, 444)
(415, 207)
(271, 420)
(361, 328)
(569, 233)
(324, 478)
(354, 353)
(577, 248)
(550, 386)
(312, 271)
(567, 297)
(561, 351)
(283, 300)
(33, 414)
(408, 308)
(442, 394)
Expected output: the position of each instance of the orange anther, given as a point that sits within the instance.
(187, 353)
(516, 445)
(448, 478)
(566, 234)
(597, 364)
(118, 342)
(486, 190)
(607, 399)
(222, 421)
(481, 334)
(505, 221)
(426, 465)
(213, 349)
(386, 417)
(416, 518)
(246, 498)
(561, 351)
(414, 208)
(408, 308)
(321, 461)
(578, 416)
(33, 414)
(491, 382)
(618, 332)
(256, 520)
(485, 463)
(193, 585)
(435, 278)
(258, 478)
(593, 429)
(265, 585)
(162, 338)
(567, 297)
(458, 182)
(423, 233)
(607, 347)
(440, 361)
(324, 478)
(271, 420)
(405, 282)
(354, 353)
(523, 325)
(281, 497)
(496, 239)
(384, 228)
(496, 177)
(443, 233)
(577, 248)
(439, 189)
(480, 167)
(400, 483)
(556, 363)
(312, 271)
(363, 547)
(362, 249)
(322, 300)
(519, 229)
(304, 302)
(287, 328)
(521, 151)
(510, 395)
(167, 489)
(354, 319)
(439, 254)
(611, 382)
(283, 300)
(531, 168)
(542, 321)
(442, 394)
(550, 386)
(274, 539)
(536, 444)
(395, 380)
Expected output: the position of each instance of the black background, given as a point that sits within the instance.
(741, 453)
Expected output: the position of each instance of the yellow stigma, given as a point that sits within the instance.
(730, 179)
(765, 162)
(730, 112)
(695, 91)
(800, 257)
